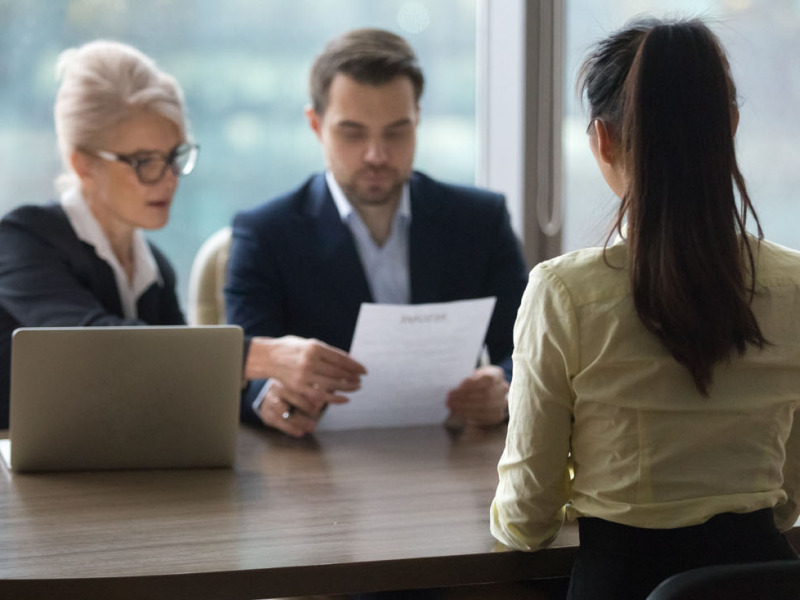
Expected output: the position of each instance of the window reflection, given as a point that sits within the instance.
(762, 39)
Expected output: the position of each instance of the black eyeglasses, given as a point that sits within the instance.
(151, 167)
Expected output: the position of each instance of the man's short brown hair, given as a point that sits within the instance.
(371, 56)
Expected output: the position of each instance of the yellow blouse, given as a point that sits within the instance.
(592, 388)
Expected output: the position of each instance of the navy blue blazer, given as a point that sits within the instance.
(50, 278)
(294, 268)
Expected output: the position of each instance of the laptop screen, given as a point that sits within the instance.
(124, 397)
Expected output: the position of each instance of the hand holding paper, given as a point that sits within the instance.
(481, 398)
(414, 355)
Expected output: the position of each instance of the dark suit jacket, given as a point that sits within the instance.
(294, 267)
(50, 278)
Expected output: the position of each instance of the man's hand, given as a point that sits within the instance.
(288, 411)
(307, 368)
(481, 398)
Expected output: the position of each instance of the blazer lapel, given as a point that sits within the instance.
(148, 305)
(336, 249)
(102, 281)
(426, 261)
(89, 268)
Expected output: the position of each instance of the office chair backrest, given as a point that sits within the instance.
(207, 280)
(775, 580)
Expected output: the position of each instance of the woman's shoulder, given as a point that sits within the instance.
(45, 221)
(775, 263)
(50, 211)
(49, 216)
(589, 274)
(587, 258)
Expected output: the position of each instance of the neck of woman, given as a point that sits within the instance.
(119, 234)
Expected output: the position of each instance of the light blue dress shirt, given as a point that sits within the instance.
(386, 267)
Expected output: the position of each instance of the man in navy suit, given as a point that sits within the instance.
(369, 229)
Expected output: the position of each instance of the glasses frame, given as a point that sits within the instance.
(135, 161)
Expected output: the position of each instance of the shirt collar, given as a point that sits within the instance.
(346, 209)
(88, 230)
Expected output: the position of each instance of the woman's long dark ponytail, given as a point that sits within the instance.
(673, 111)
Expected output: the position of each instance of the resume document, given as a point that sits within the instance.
(414, 354)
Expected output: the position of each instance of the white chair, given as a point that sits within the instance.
(207, 280)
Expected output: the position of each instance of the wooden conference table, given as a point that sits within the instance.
(341, 512)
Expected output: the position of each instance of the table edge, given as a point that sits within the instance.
(369, 576)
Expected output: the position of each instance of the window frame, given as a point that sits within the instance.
(519, 112)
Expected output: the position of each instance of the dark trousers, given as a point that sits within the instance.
(618, 562)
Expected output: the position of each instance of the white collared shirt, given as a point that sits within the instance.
(87, 228)
(386, 267)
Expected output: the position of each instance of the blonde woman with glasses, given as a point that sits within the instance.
(83, 260)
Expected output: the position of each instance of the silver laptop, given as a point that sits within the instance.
(124, 398)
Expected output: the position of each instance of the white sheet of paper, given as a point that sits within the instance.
(414, 354)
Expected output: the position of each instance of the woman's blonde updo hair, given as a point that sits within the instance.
(102, 84)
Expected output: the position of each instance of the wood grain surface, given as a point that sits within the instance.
(341, 512)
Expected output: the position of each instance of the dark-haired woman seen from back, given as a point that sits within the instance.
(665, 370)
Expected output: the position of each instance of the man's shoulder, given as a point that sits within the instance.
(427, 186)
(295, 203)
(456, 207)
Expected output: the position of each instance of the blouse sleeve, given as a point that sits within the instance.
(529, 506)
(786, 514)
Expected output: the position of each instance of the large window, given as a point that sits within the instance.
(243, 65)
(763, 41)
